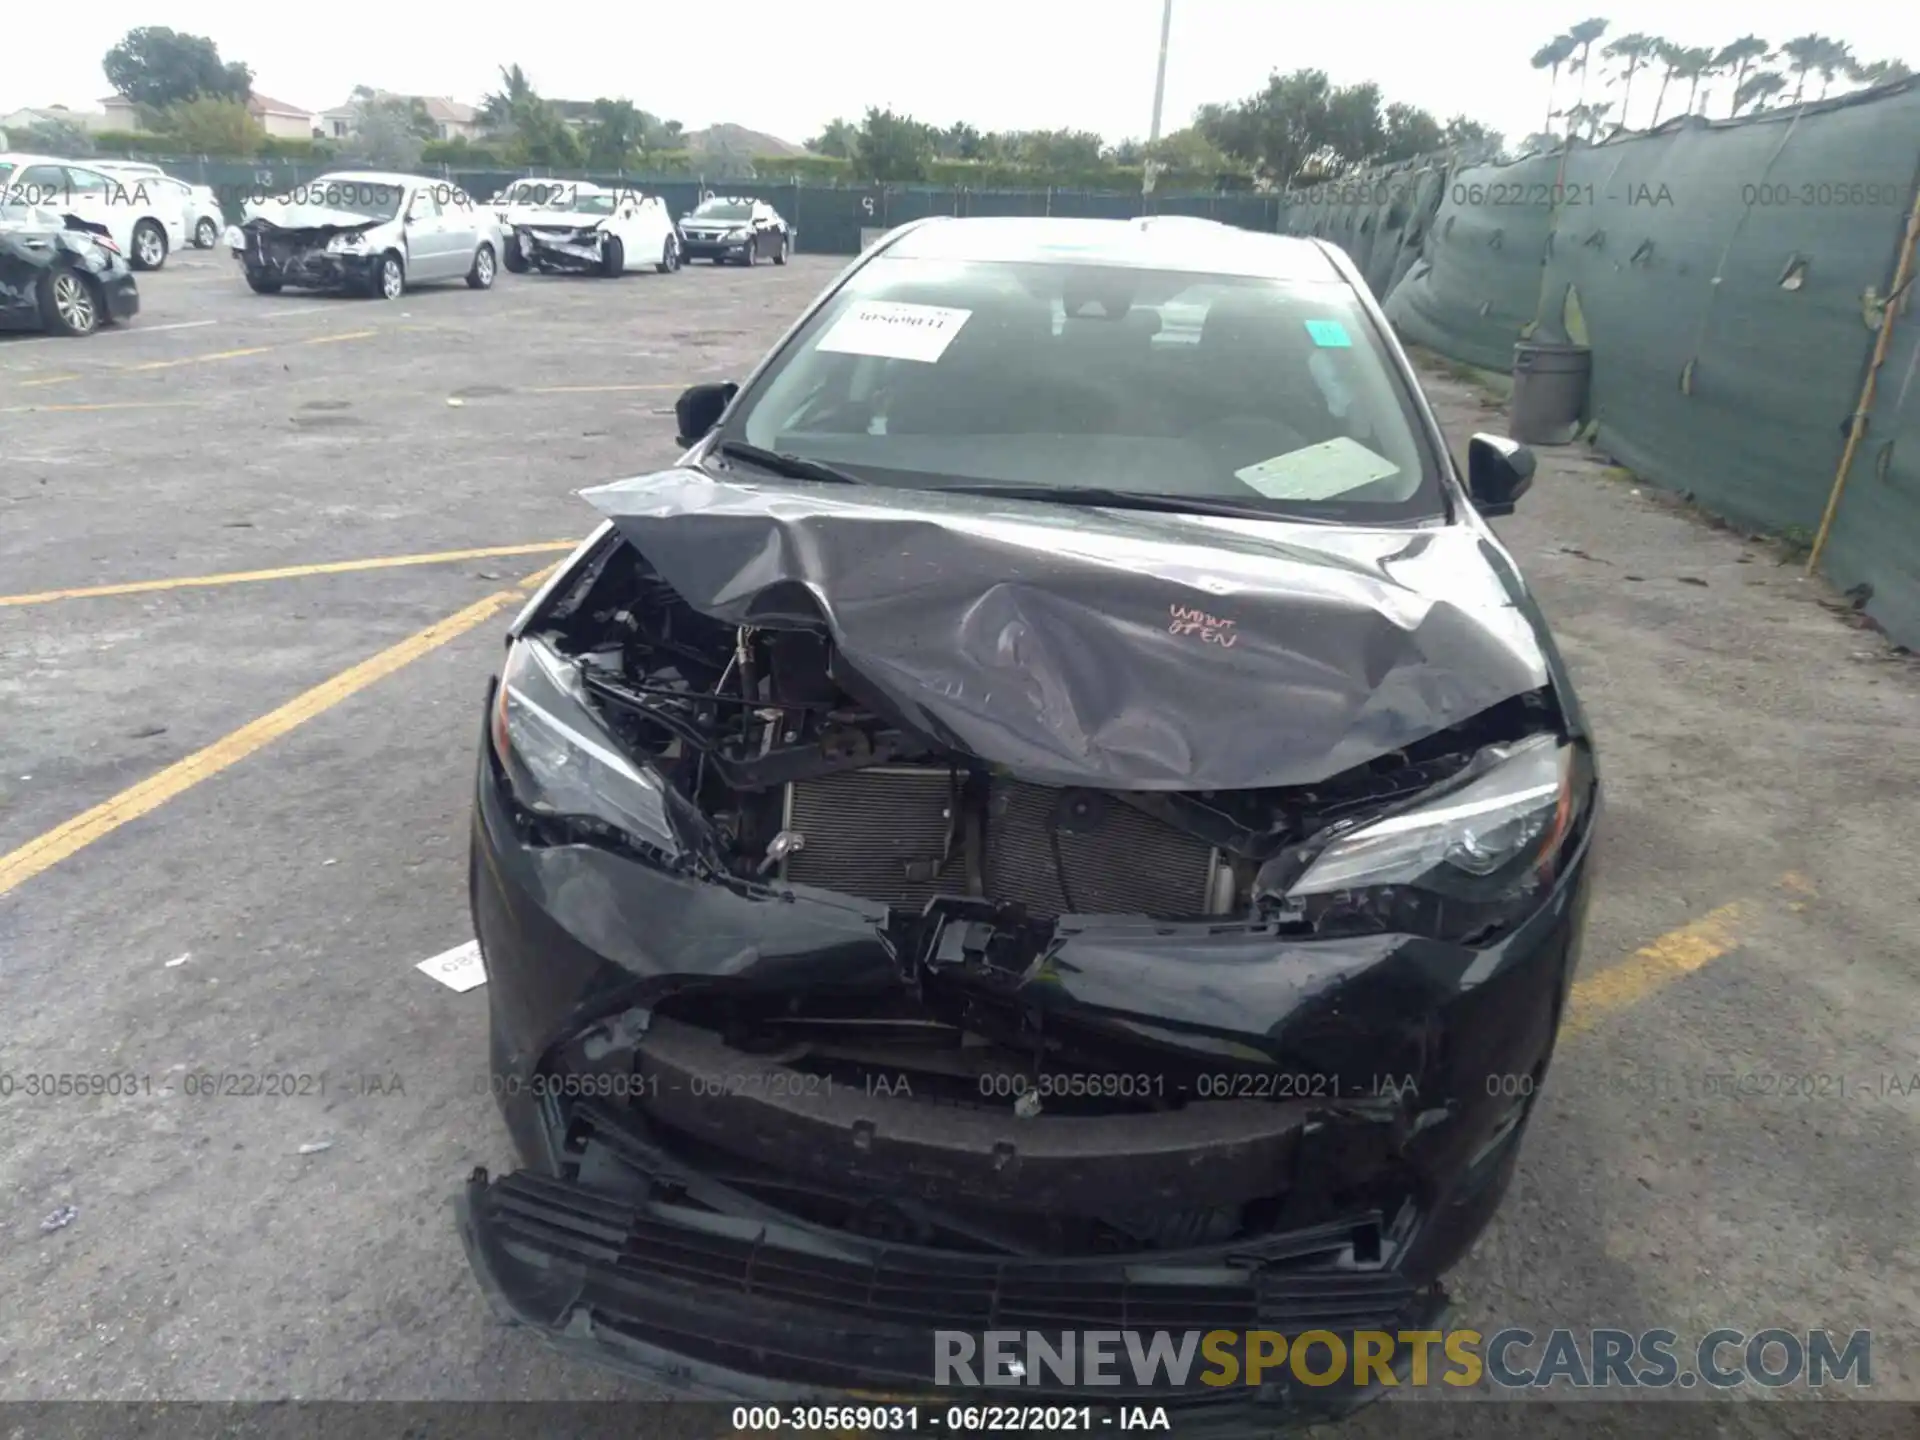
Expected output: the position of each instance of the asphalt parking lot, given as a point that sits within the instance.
(272, 775)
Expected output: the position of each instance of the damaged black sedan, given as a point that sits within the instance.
(1056, 814)
(61, 274)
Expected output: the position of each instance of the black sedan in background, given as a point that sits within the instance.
(59, 277)
(1057, 805)
(729, 228)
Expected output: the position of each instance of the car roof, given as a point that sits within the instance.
(1173, 242)
(375, 177)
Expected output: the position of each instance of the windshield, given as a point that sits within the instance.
(599, 203)
(724, 210)
(928, 374)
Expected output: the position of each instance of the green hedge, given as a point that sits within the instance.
(139, 144)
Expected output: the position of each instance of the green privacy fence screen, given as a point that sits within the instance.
(1730, 279)
(827, 219)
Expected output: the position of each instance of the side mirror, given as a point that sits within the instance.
(1499, 472)
(700, 407)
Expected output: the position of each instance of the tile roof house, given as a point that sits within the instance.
(453, 119)
(276, 117)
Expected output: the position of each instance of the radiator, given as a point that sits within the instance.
(876, 833)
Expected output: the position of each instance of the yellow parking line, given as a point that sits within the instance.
(50, 380)
(289, 572)
(49, 849)
(331, 339)
(1650, 968)
(201, 359)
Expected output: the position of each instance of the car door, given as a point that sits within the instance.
(653, 225)
(462, 222)
(427, 248)
(765, 240)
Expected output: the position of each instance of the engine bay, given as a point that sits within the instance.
(804, 774)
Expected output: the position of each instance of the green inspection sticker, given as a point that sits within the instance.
(1330, 333)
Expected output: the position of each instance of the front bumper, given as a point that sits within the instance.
(561, 253)
(705, 248)
(316, 269)
(617, 1246)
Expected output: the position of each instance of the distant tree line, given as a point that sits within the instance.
(1749, 72)
(1297, 129)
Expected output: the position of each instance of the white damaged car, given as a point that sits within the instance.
(592, 230)
(367, 233)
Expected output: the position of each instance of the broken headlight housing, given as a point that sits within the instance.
(1462, 865)
(560, 763)
(354, 244)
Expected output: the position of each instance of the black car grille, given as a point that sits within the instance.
(880, 834)
(615, 1238)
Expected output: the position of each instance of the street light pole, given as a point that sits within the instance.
(1159, 96)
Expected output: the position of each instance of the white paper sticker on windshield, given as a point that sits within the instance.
(1318, 472)
(895, 330)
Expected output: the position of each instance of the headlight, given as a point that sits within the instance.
(236, 238)
(559, 759)
(347, 245)
(1468, 861)
(736, 234)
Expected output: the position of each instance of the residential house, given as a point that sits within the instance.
(452, 119)
(279, 119)
(276, 117)
(27, 117)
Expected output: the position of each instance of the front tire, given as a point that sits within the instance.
(516, 258)
(480, 277)
(613, 258)
(68, 305)
(669, 256)
(752, 257)
(780, 255)
(262, 283)
(149, 245)
(206, 234)
(390, 277)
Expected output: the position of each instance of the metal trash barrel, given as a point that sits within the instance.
(1549, 397)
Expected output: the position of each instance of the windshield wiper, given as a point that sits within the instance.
(794, 467)
(1132, 500)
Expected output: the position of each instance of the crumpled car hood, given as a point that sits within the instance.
(1113, 649)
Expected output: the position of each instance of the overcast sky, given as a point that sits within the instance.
(788, 66)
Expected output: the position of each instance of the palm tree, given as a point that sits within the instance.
(1880, 72)
(1668, 54)
(1803, 54)
(499, 109)
(1583, 35)
(1551, 56)
(1760, 86)
(1836, 59)
(1634, 52)
(1694, 64)
(1741, 56)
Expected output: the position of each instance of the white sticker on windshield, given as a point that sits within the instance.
(895, 330)
(1318, 472)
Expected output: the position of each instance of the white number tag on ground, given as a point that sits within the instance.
(458, 969)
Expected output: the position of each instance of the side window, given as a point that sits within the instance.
(86, 182)
(46, 179)
(424, 206)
